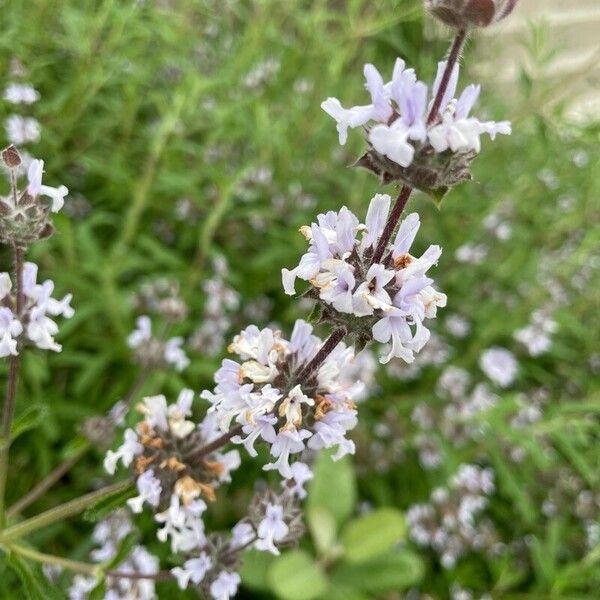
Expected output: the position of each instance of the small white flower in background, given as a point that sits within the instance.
(453, 382)
(225, 586)
(271, 529)
(473, 254)
(537, 336)
(457, 326)
(153, 352)
(500, 365)
(22, 130)
(451, 522)
(21, 93)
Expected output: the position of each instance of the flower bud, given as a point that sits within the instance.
(466, 14)
(11, 157)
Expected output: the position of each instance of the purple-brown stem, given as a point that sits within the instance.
(453, 57)
(406, 190)
(214, 445)
(337, 335)
(11, 387)
(392, 221)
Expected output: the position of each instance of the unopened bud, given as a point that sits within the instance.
(466, 14)
(11, 157)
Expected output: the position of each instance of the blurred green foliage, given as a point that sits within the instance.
(145, 103)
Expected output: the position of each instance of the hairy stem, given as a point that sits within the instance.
(337, 335)
(45, 484)
(391, 223)
(11, 388)
(83, 567)
(405, 192)
(61, 512)
(453, 57)
(214, 445)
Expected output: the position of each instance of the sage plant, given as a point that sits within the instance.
(295, 394)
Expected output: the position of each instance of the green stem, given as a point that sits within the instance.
(51, 559)
(45, 484)
(61, 512)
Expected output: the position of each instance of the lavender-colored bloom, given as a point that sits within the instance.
(499, 365)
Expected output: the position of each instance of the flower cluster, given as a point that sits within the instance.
(265, 396)
(169, 477)
(402, 129)
(537, 336)
(458, 422)
(391, 298)
(24, 216)
(221, 302)
(162, 297)
(274, 522)
(108, 536)
(150, 351)
(33, 323)
(449, 523)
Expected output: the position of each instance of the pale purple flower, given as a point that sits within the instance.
(35, 186)
(287, 442)
(149, 489)
(271, 529)
(499, 365)
(193, 570)
(225, 586)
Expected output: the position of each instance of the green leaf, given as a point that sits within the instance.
(323, 528)
(255, 566)
(107, 505)
(296, 576)
(28, 419)
(395, 571)
(373, 534)
(333, 487)
(437, 195)
(35, 584)
(126, 545)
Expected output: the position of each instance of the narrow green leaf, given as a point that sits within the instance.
(35, 584)
(126, 545)
(106, 506)
(29, 419)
